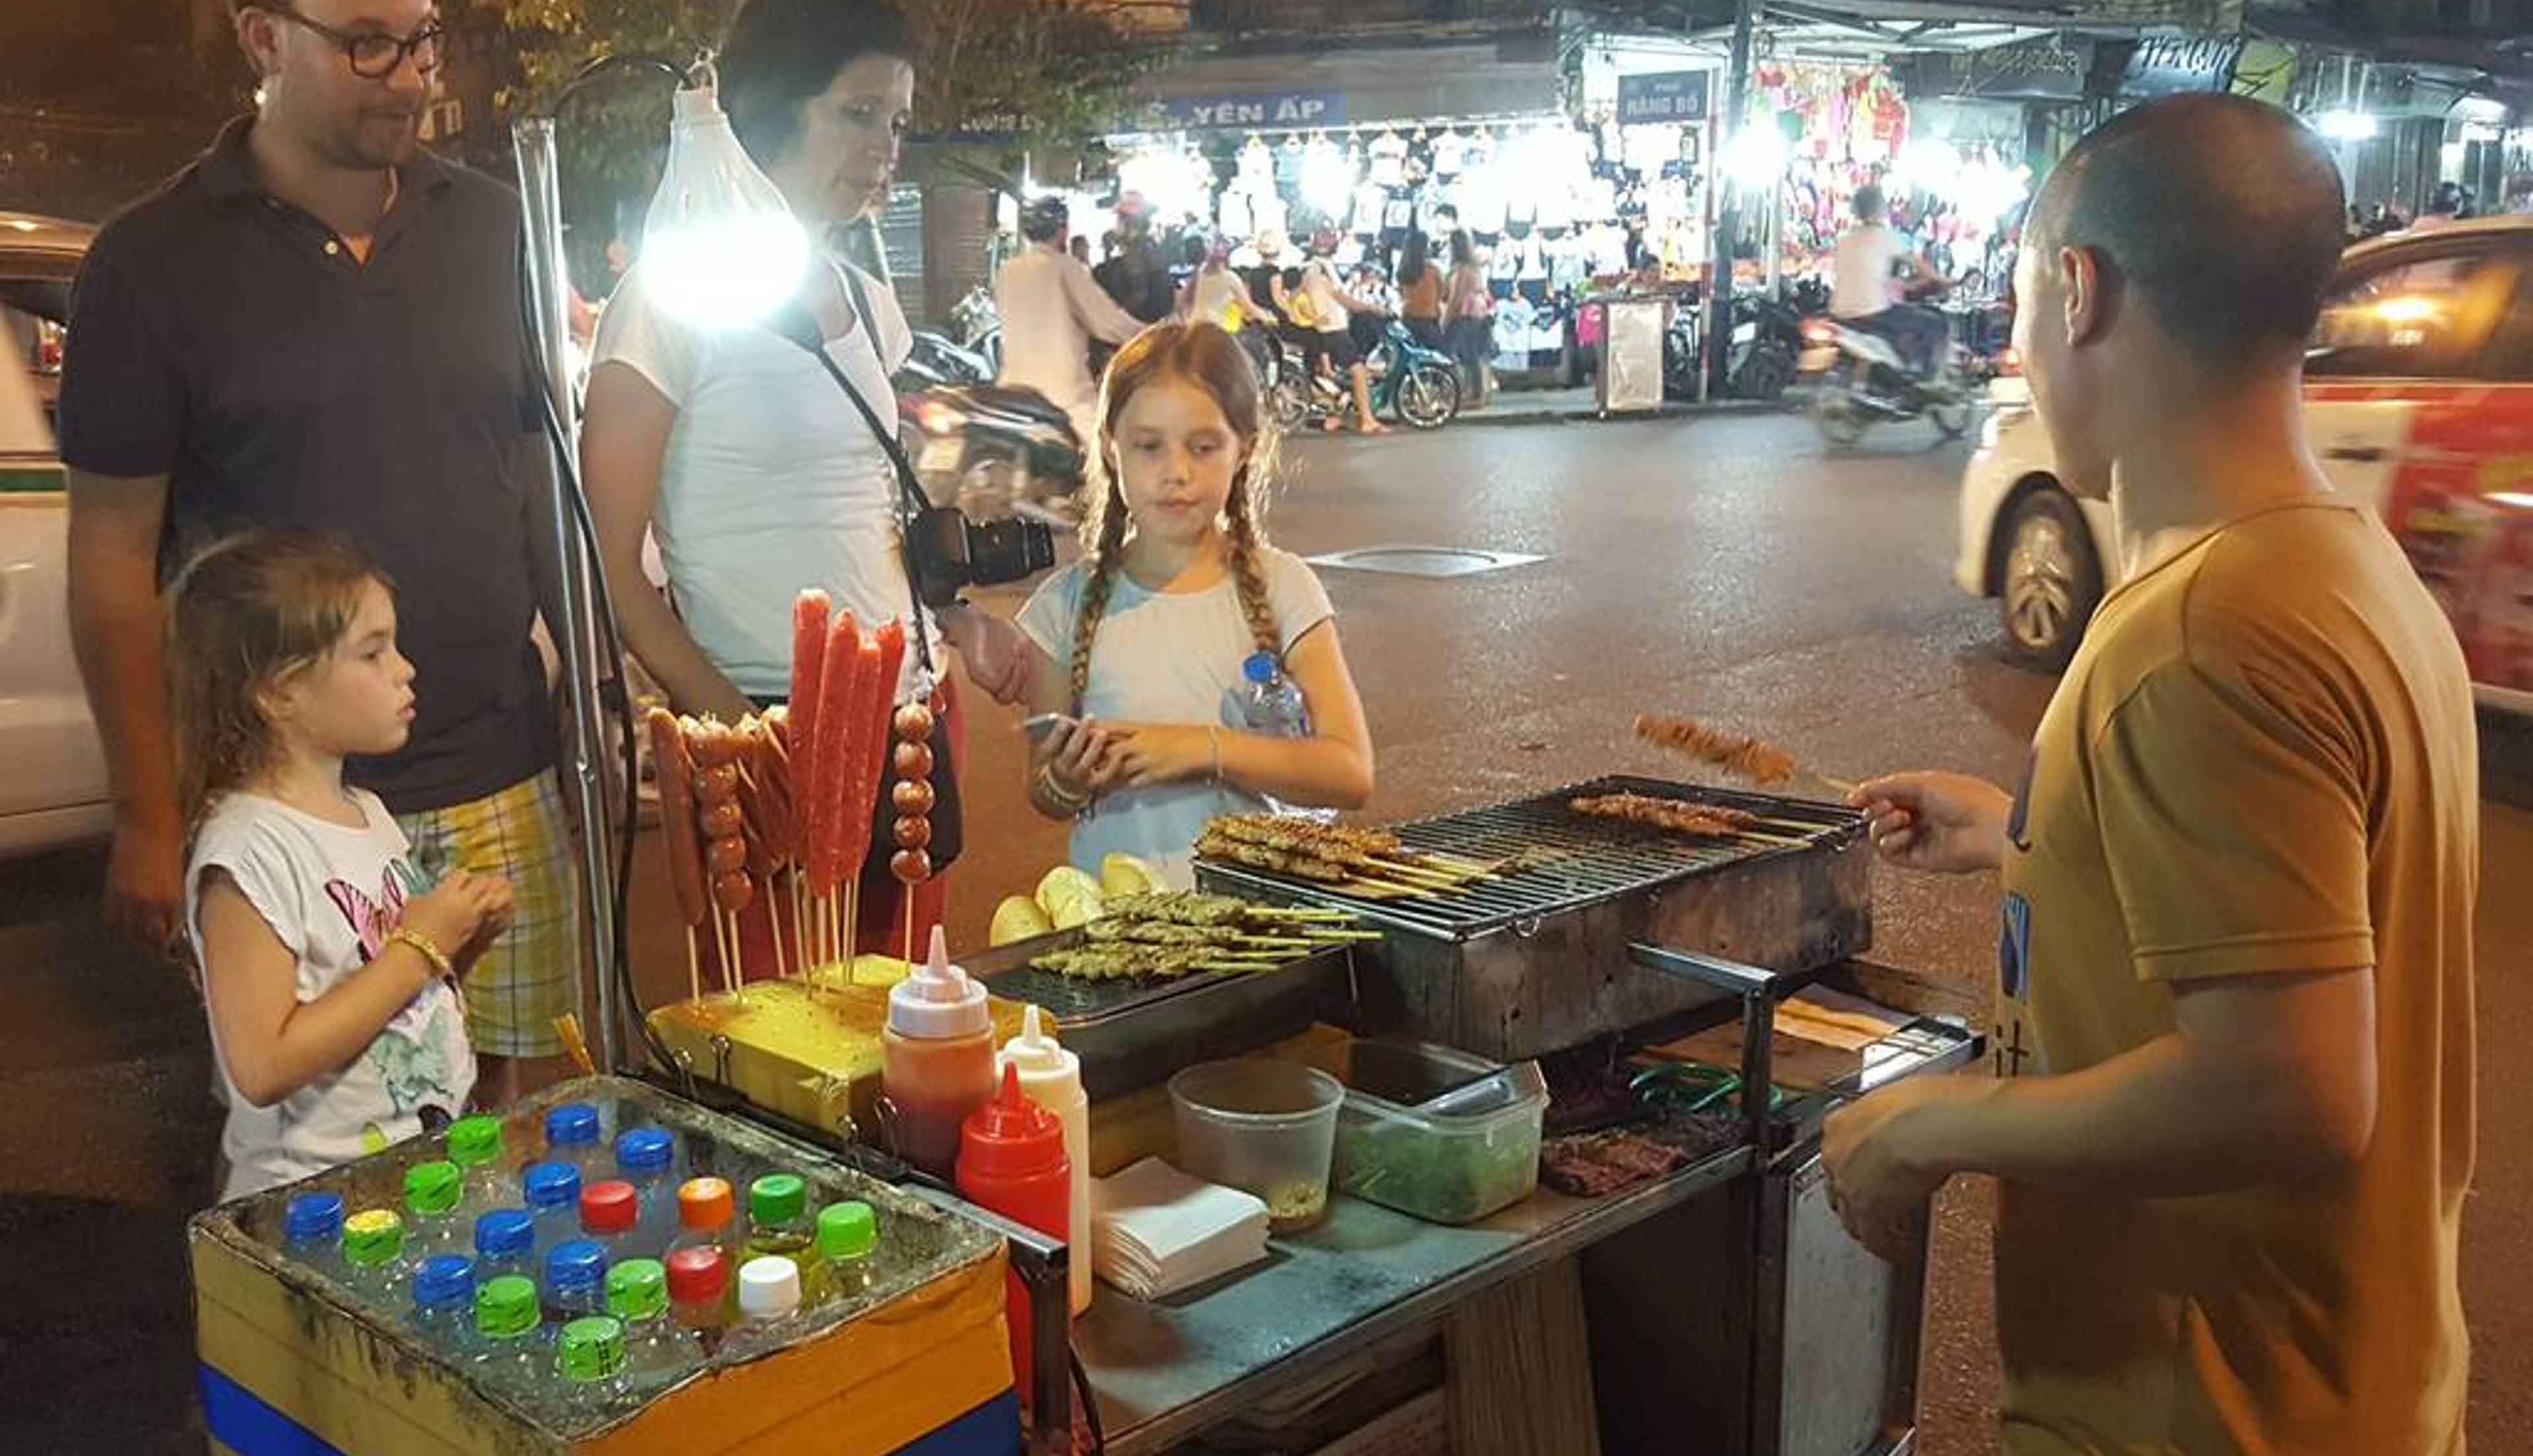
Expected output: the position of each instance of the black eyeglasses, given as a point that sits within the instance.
(375, 55)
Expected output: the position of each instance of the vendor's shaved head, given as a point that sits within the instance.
(2221, 216)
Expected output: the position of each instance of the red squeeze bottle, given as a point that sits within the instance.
(1011, 1161)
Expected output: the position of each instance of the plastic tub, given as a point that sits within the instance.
(1265, 1127)
(1435, 1132)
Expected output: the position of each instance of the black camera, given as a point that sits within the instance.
(951, 553)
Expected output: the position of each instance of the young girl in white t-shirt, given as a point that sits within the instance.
(1141, 642)
(330, 971)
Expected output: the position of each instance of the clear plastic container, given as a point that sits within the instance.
(1434, 1133)
(1265, 1127)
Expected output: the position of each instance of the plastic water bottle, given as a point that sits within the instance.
(848, 1240)
(506, 1327)
(637, 1296)
(700, 1296)
(769, 1294)
(1270, 704)
(312, 1233)
(432, 1225)
(642, 1159)
(779, 1227)
(590, 1359)
(572, 1136)
(554, 1201)
(707, 1216)
(475, 1147)
(609, 1214)
(374, 1253)
(505, 1242)
(575, 1282)
(443, 1301)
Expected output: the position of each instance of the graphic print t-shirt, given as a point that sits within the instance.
(333, 894)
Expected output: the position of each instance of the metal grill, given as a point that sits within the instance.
(1567, 861)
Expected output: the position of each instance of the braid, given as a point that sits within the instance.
(1108, 547)
(1248, 573)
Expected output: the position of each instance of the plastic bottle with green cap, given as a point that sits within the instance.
(847, 1250)
(506, 1327)
(780, 1226)
(373, 1260)
(443, 1301)
(312, 1232)
(432, 1225)
(475, 1147)
(637, 1298)
(590, 1359)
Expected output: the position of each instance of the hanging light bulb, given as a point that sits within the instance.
(721, 249)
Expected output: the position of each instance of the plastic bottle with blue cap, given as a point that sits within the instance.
(554, 1201)
(646, 1157)
(505, 1242)
(936, 1060)
(443, 1301)
(312, 1232)
(573, 1136)
(576, 1283)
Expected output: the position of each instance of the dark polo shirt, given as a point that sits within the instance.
(230, 341)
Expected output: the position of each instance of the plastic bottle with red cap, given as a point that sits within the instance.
(936, 1060)
(1011, 1161)
(700, 1296)
(609, 1214)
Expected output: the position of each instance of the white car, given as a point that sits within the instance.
(2419, 402)
(54, 790)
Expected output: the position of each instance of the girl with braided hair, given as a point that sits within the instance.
(1140, 642)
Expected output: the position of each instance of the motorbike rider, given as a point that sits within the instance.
(1869, 269)
(1051, 311)
(1328, 310)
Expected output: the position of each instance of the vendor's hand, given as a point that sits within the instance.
(992, 650)
(1882, 1166)
(1081, 758)
(1943, 822)
(1149, 753)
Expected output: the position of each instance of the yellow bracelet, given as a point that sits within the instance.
(427, 949)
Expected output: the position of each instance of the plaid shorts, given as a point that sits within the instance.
(532, 973)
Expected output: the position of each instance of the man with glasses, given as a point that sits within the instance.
(317, 326)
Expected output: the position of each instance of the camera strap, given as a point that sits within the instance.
(793, 323)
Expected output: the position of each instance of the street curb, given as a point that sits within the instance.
(1493, 420)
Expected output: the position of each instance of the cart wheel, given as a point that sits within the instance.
(1429, 399)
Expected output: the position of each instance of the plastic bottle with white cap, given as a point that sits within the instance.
(936, 1060)
(1051, 1077)
(769, 1292)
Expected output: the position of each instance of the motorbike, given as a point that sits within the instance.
(992, 450)
(979, 327)
(1767, 345)
(1869, 384)
(936, 361)
(1414, 384)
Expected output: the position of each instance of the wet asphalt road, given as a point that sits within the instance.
(1730, 568)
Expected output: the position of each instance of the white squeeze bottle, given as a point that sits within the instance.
(1051, 1077)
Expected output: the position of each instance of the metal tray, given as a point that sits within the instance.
(1134, 1033)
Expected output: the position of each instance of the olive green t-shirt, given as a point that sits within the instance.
(2262, 761)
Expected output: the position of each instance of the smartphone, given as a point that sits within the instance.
(1045, 725)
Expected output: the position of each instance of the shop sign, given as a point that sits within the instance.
(2049, 68)
(1274, 109)
(2170, 61)
(1669, 95)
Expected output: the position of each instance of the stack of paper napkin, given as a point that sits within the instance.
(1156, 1231)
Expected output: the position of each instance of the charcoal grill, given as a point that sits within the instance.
(1536, 959)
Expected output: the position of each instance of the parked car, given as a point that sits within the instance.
(55, 789)
(2419, 402)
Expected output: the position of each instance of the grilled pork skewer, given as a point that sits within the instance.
(1713, 820)
(1753, 759)
(1191, 908)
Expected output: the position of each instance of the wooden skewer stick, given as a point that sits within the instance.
(695, 968)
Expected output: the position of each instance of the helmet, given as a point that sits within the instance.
(1045, 219)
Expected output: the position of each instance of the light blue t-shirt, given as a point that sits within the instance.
(1167, 657)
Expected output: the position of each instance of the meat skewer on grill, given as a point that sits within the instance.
(1712, 821)
(1324, 841)
(1193, 908)
(1125, 961)
(1113, 929)
(1754, 759)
